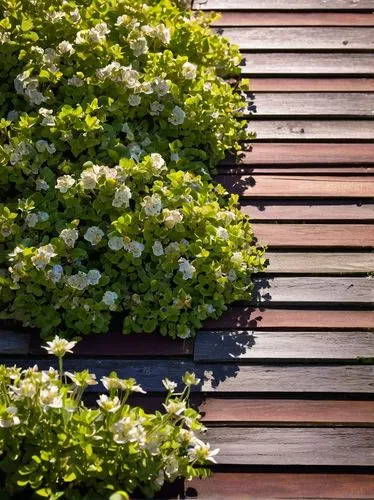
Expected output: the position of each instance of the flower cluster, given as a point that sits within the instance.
(112, 117)
(63, 448)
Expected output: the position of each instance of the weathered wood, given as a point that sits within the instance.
(313, 290)
(321, 210)
(12, 342)
(342, 104)
(307, 64)
(319, 263)
(307, 39)
(295, 130)
(284, 4)
(270, 346)
(224, 377)
(285, 186)
(290, 486)
(363, 170)
(312, 84)
(287, 412)
(291, 153)
(246, 317)
(232, 18)
(315, 235)
(282, 446)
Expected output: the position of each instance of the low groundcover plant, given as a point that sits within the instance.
(53, 446)
(112, 116)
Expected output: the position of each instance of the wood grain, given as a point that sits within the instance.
(232, 18)
(304, 319)
(299, 63)
(319, 263)
(285, 186)
(282, 446)
(224, 377)
(342, 104)
(268, 346)
(14, 342)
(315, 235)
(321, 210)
(296, 130)
(284, 4)
(267, 486)
(307, 39)
(312, 84)
(295, 170)
(287, 411)
(291, 153)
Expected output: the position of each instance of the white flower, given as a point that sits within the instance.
(175, 407)
(78, 281)
(31, 220)
(88, 179)
(75, 16)
(43, 256)
(69, 236)
(108, 404)
(174, 157)
(55, 274)
(65, 47)
(152, 205)
(139, 46)
(186, 268)
(227, 216)
(146, 88)
(93, 277)
(231, 275)
(109, 298)
(50, 398)
(97, 34)
(237, 258)
(157, 248)
(157, 161)
(134, 248)
(172, 468)
(110, 383)
(129, 77)
(162, 33)
(134, 100)
(177, 117)
(121, 20)
(161, 87)
(25, 390)
(115, 243)
(59, 346)
(190, 379)
(50, 56)
(172, 217)
(222, 233)
(122, 197)
(55, 16)
(48, 118)
(75, 81)
(156, 108)
(189, 71)
(64, 183)
(202, 452)
(43, 146)
(210, 309)
(169, 385)
(9, 417)
(93, 235)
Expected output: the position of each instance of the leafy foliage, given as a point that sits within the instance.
(113, 115)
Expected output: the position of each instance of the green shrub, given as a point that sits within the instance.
(54, 445)
(114, 114)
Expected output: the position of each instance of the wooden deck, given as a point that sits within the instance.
(287, 379)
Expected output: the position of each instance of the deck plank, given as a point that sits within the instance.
(234, 18)
(268, 346)
(285, 5)
(276, 85)
(282, 446)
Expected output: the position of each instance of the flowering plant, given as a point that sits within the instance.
(54, 445)
(113, 114)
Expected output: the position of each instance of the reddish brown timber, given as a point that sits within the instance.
(308, 39)
(321, 210)
(315, 235)
(296, 5)
(291, 486)
(312, 84)
(287, 411)
(285, 186)
(287, 446)
(232, 18)
(269, 346)
(319, 263)
(247, 317)
(297, 63)
(292, 169)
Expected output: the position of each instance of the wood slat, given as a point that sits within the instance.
(295, 170)
(296, 130)
(319, 263)
(244, 485)
(312, 84)
(285, 186)
(223, 377)
(307, 64)
(284, 5)
(292, 153)
(280, 446)
(308, 39)
(232, 18)
(322, 210)
(315, 235)
(246, 317)
(14, 343)
(267, 346)
(287, 411)
(311, 104)
(313, 290)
